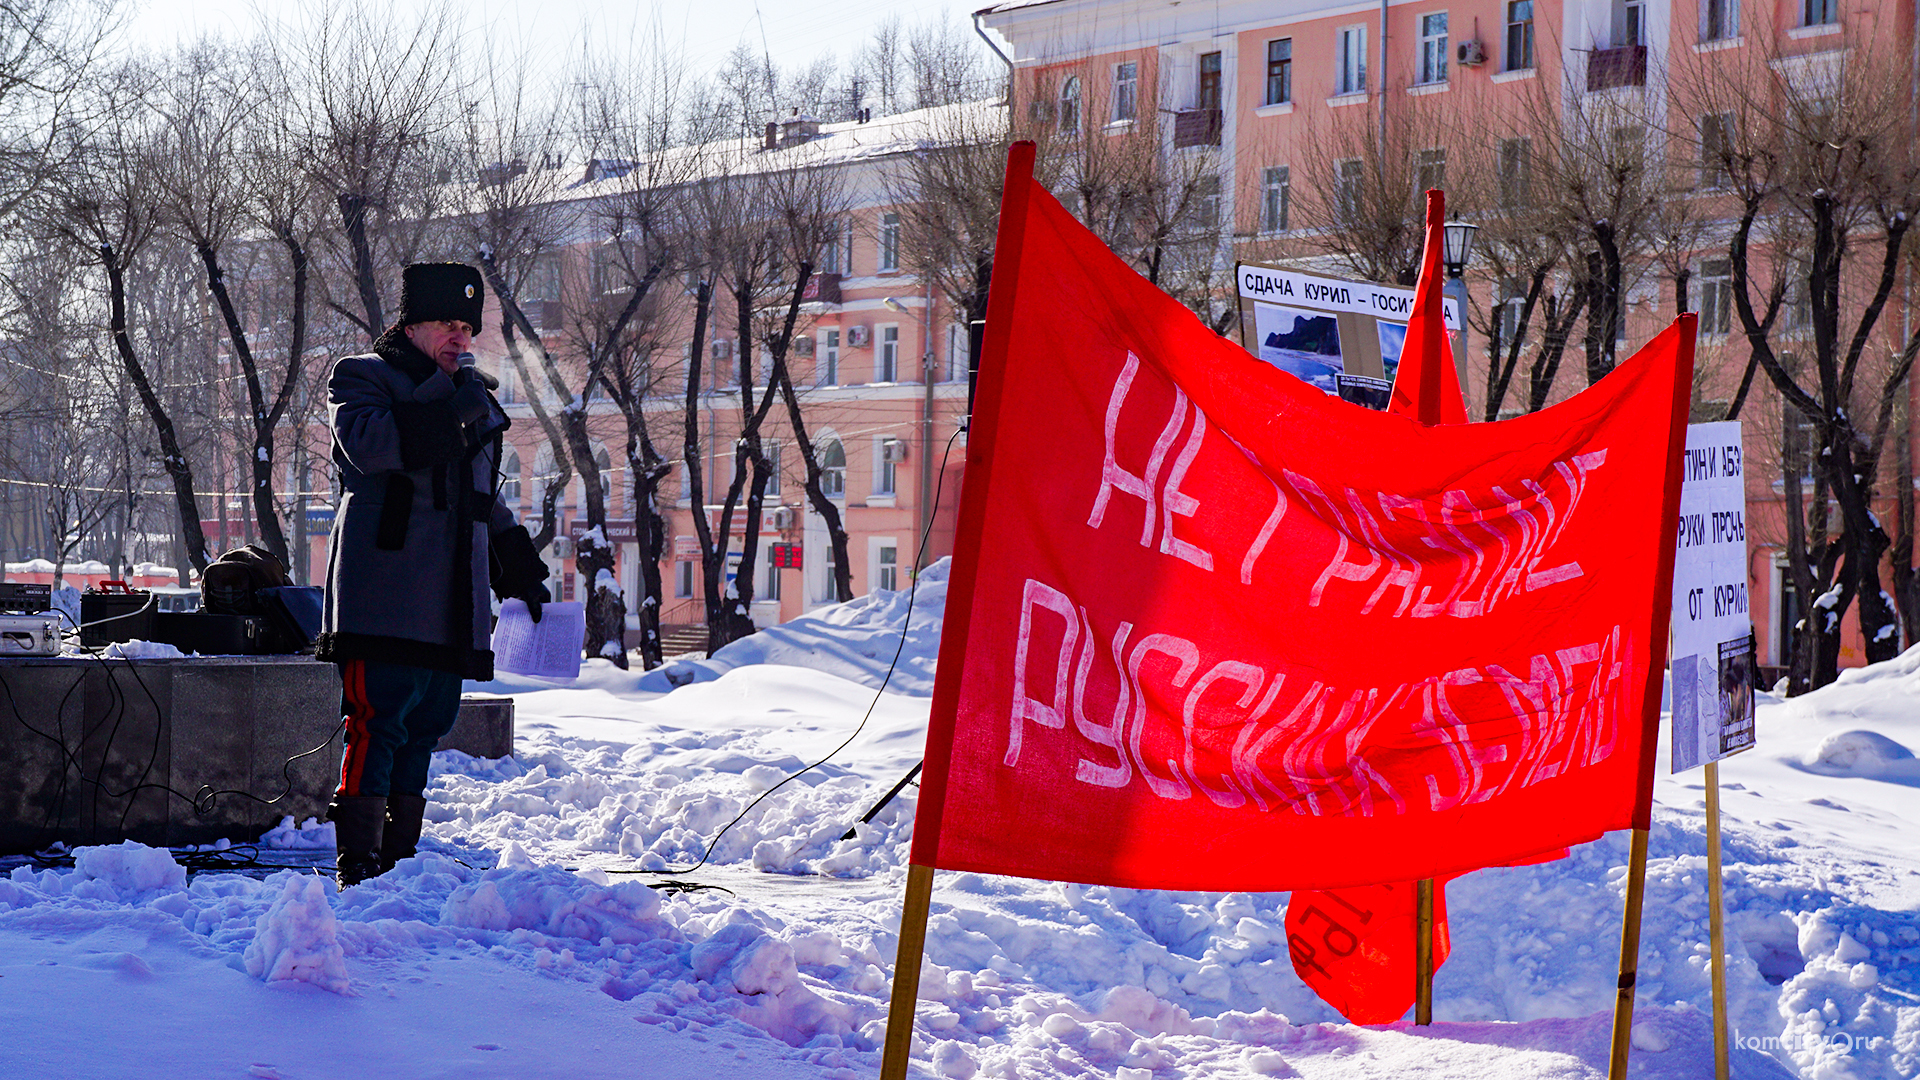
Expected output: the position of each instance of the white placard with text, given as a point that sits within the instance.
(1713, 661)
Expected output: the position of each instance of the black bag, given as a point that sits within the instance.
(230, 585)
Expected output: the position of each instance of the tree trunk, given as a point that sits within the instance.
(171, 455)
(265, 513)
(353, 215)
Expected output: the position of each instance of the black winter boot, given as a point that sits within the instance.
(402, 838)
(358, 822)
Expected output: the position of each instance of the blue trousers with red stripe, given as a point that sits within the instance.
(396, 714)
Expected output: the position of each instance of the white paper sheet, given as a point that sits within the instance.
(549, 648)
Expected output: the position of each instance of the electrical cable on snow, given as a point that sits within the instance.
(906, 622)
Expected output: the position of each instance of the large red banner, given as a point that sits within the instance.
(1210, 628)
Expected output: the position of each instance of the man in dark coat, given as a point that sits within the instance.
(420, 534)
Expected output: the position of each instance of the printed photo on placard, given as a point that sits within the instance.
(1302, 343)
(1736, 695)
(1393, 338)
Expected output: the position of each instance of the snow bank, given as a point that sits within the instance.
(856, 641)
(298, 938)
(128, 869)
(784, 939)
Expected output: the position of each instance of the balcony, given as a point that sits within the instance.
(822, 289)
(1196, 127)
(1623, 65)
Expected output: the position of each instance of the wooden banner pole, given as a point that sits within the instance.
(1423, 952)
(1717, 923)
(906, 973)
(1629, 957)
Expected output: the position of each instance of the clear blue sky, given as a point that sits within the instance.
(795, 31)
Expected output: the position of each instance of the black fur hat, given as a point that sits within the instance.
(431, 292)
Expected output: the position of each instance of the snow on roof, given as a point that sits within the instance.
(845, 143)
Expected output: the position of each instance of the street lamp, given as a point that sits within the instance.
(1458, 244)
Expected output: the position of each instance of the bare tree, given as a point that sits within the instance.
(48, 48)
(1819, 158)
(106, 206)
(219, 179)
(374, 98)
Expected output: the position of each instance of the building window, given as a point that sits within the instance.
(1208, 95)
(1633, 23)
(1347, 189)
(1719, 19)
(1716, 296)
(888, 366)
(886, 469)
(833, 469)
(540, 295)
(1433, 47)
(827, 367)
(1429, 171)
(1206, 211)
(886, 564)
(1512, 295)
(510, 480)
(836, 256)
(604, 463)
(1819, 12)
(770, 588)
(682, 579)
(1351, 74)
(1126, 91)
(889, 242)
(1274, 195)
(1716, 142)
(771, 449)
(1519, 35)
(1516, 172)
(1070, 106)
(1629, 150)
(1279, 71)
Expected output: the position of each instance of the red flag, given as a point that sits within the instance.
(1374, 980)
(1427, 385)
(1354, 947)
(1210, 628)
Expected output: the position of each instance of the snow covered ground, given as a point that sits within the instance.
(526, 943)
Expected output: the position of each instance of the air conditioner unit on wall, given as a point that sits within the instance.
(859, 337)
(893, 450)
(722, 349)
(802, 345)
(1472, 54)
(783, 517)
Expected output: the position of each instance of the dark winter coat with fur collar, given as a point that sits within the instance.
(408, 560)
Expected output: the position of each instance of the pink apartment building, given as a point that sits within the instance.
(1266, 86)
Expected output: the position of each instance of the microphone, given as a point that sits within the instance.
(468, 363)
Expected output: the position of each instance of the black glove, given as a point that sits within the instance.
(429, 434)
(518, 570)
(469, 400)
(535, 599)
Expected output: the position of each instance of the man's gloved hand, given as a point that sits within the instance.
(518, 570)
(535, 599)
(469, 400)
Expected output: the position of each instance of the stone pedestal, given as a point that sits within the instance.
(484, 729)
(89, 747)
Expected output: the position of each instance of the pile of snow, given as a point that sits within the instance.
(774, 957)
(857, 641)
(1861, 753)
(297, 939)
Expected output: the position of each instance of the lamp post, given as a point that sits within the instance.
(923, 500)
(1457, 245)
